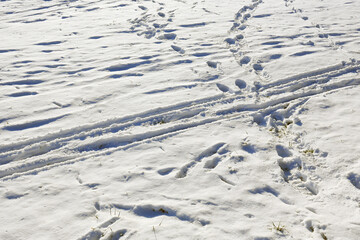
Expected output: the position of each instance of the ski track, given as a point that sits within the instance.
(111, 135)
(104, 137)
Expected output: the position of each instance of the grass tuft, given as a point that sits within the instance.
(278, 228)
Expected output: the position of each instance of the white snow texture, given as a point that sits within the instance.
(179, 119)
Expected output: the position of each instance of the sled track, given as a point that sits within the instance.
(83, 142)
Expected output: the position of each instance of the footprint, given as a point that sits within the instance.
(210, 151)
(321, 35)
(185, 169)
(229, 41)
(246, 16)
(237, 159)
(242, 27)
(245, 60)
(247, 147)
(118, 234)
(212, 163)
(109, 222)
(305, 18)
(240, 83)
(283, 151)
(288, 165)
(239, 37)
(94, 234)
(259, 119)
(234, 26)
(101, 232)
(206, 153)
(97, 206)
(222, 87)
(257, 67)
(212, 64)
(312, 187)
(165, 171)
(309, 225)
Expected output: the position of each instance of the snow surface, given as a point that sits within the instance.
(179, 119)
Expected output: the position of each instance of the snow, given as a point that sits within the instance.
(179, 119)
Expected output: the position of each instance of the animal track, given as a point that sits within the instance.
(212, 163)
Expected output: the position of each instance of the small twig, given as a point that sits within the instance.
(161, 221)
(154, 233)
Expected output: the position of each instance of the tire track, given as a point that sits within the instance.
(93, 130)
(105, 137)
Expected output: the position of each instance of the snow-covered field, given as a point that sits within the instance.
(179, 119)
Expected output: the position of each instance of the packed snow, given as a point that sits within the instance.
(179, 119)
